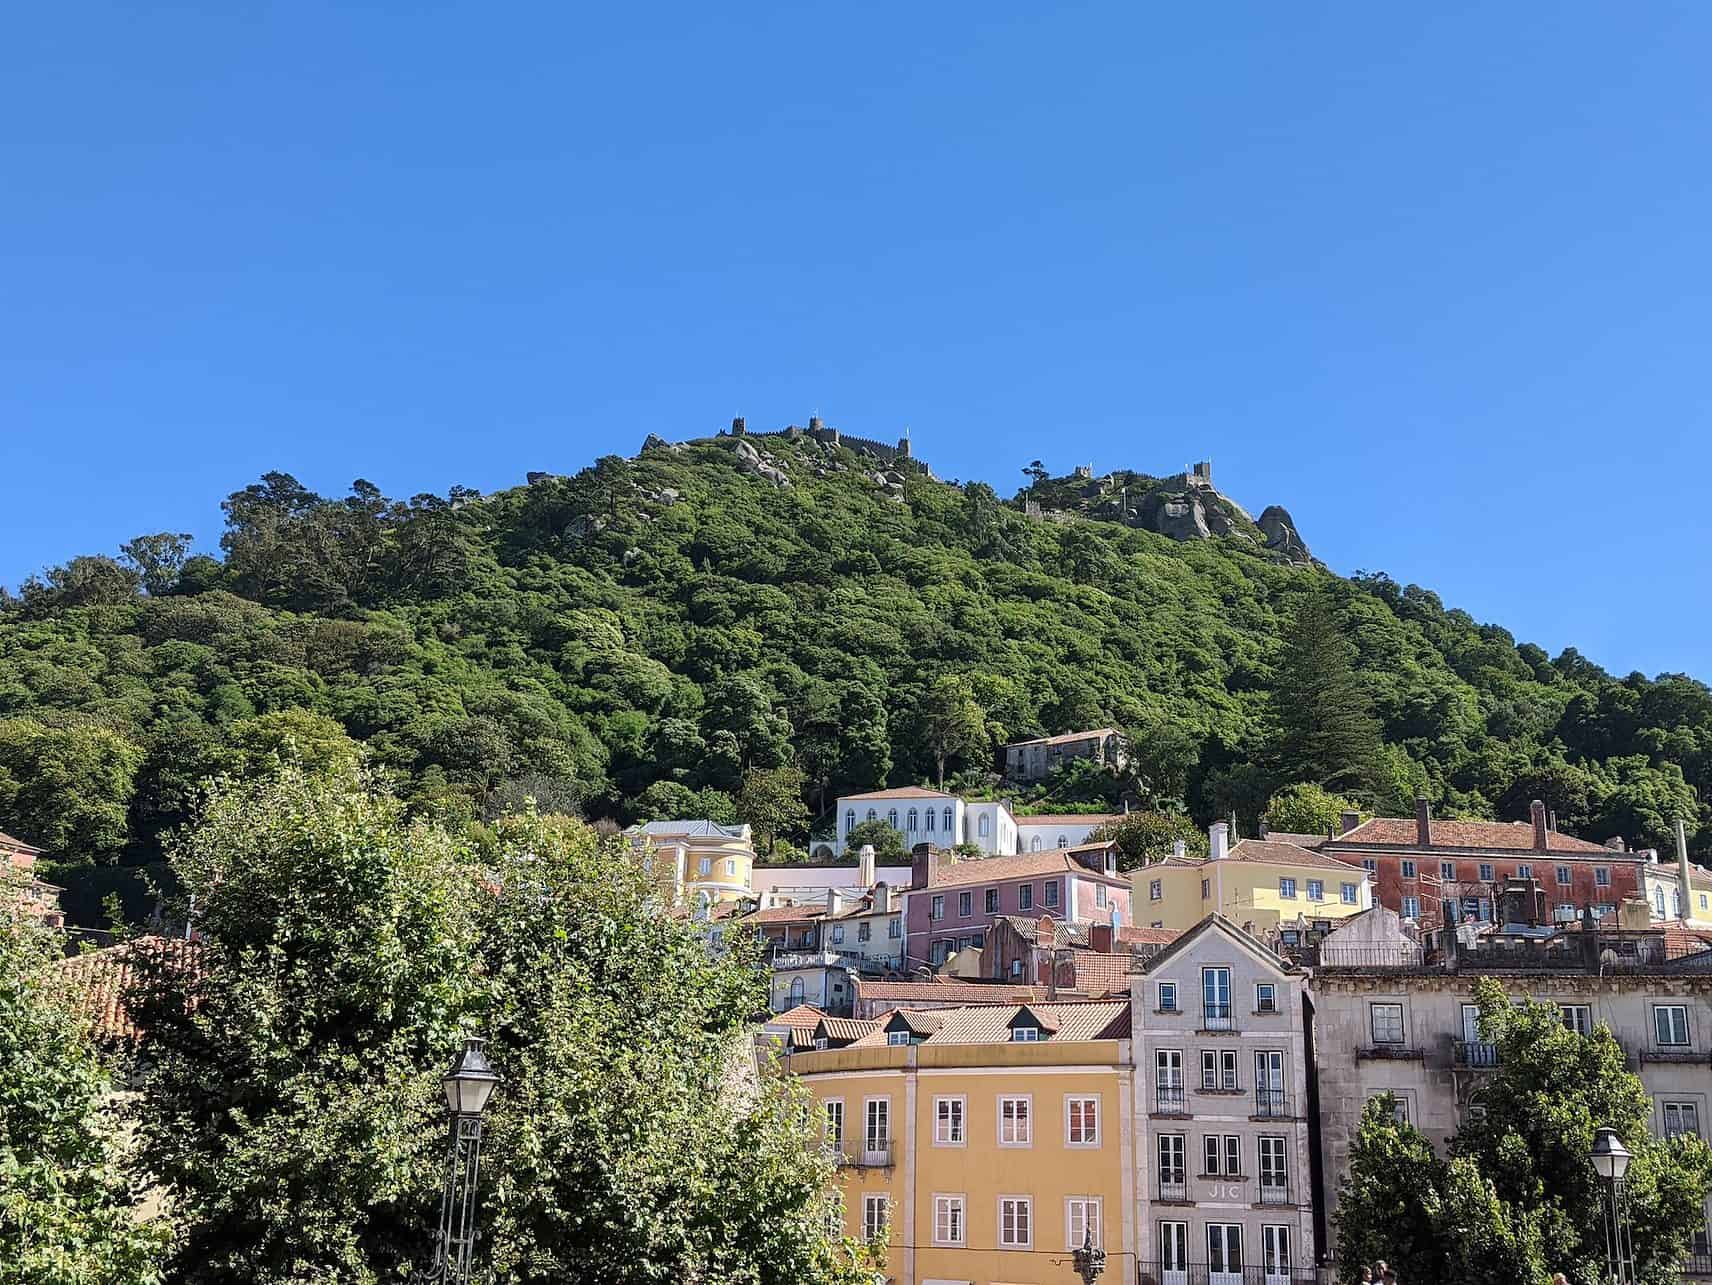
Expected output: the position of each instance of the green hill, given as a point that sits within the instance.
(632, 639)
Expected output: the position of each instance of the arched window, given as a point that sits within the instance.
(930, 820)
(1034, 844)
(914, 821)
(948, 823)
(872, 814)
(1658, 901)
(892, 818)
(983, 824)
(1063, 842)
(849, 820)
(796, 991)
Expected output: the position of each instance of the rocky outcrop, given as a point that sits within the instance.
(759, 463)
(1281, 534)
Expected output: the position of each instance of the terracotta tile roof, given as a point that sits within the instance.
(1098, 974)
(104, 975)
(803, 1015)
(1276, 852)
(1679, 938)
(1148, 936)
(946, 992)
(1507, 836)
(783, 915)
(18, 845)
(1070, 818)
(1064, 738)
(902, 792)
(1078, 935)
(844, 1030)
(1073, 1021)
(1300, 840)
(1022, 866)
(922, 1022)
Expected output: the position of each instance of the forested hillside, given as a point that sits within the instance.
(666, 634)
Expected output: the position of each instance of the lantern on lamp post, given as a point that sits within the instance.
(468, 1084)
(1089, 1261)
(1611, 1161)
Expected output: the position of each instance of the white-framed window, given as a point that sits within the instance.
(1081, 1221)
(1218, 1071)
(849, 820)
(872, 814)
(1266, 997)
(1524, 870)
(1670, 1024)
(965, 904)
(1174, 1250)
(1100, 895)
(1081, 1121)
(706, 866)
(1025, 896)
(949, 1224)
(1399, 1106)
(983, 825)
(1274, 1167)
(912, 821)
(930, 819)
(864, 930)
(1602, 876)
(1167, 997)
(894, 928)
(1370, 864)
(876, 1215)
(1172, 1164)
(897, 1039)
(1681, 1117)
(1221, 1155)
(1348, 891)
(1049, 894)
(1316, 890)
(1411, 907)
(877, 1131)
(1034, 843)
(1025, 1034)
(1063, 842)
(834, 1108)
(948, 1116)
(1565, 875)
(1168, 1068)
(948, 824)
(1386, 1021)
(1408, 868)
(992, 901)
(936, 907)
(837, 934)
(1485, 872)
(798, 992)
(1287, 889)
(1224, 1251)
(1016, 1229)
(892, 818)
(1275, 1252)
(1577, 1017)
(1016, 1121)
(1447, 871)
(1155, 889)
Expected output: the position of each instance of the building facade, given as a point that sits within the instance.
(696, 863)
(1037, 759)
(1223, 1113)
(37, 899)
(951, 905)
(1418, 863)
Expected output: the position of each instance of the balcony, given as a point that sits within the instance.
(1274, 1190)
(1271, 1104)
(1170, 1100)
(1390, 1053)
(1156, 1273)
(1681, 1054)
(873, 1156)
(1173, 1191)
(1474, 1055)
(1217, 1017)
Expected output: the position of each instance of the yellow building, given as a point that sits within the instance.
(696, 862)
(985, 1143)
(1262, 885)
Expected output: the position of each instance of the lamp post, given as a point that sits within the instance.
(469, 1084)
(1611, 1161)
(1088, 1261)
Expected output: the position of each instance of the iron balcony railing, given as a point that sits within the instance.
(1216, 1017)
(1474, 1054)
(1171, 1099)
(1271, 1104)
(873, 1155)
(1173, 1189)
(1697, 1264)
(1157, 1273)
(1274, 1190)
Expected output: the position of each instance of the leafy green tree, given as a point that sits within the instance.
(158, 559)
(294, 1109)
(950, 722)
(67, 789)
(299, 736)
(1327, 732)
(1146, 837)
(672, 801)
(888, 843)
(771, 801)
(66, 1216)
(1305, 808)
(1158, 755)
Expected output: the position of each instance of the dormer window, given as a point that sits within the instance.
(1025, 1034)
(897, 1038)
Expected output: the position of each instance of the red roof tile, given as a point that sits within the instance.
(1065, 738)
(104, 976)
(1285, 854)
(1507, 836)
(806, 1016)
(1070, 818)
(947, 992)
(902, 792)
(1021, 866)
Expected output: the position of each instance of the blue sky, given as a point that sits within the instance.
(1433, 277)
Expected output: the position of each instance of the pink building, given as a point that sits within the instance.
(952, 904)
(36, 898)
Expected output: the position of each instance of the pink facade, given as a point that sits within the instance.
(966, 909)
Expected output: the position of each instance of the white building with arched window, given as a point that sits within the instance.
(932, 816)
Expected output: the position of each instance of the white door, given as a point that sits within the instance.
(1470, 1022)
(1269, 1084)
(1275, 1255)
(1224, 1254)
(1173, 1254)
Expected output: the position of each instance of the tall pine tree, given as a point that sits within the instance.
(1327, 732)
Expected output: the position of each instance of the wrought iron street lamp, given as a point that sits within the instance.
(469, 1084)
(1611, 1161)
(1089, 1261)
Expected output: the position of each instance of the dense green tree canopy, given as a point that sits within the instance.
(679, 622)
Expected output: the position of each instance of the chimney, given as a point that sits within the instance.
(865, 866)
(882, 901)
(1683, 879)
(1542, 834)
(1350, 821)
(1264, 828)
(1100, 938)
(1616, 844)
(1423, 822)
(921, 867)
(1218, 840)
